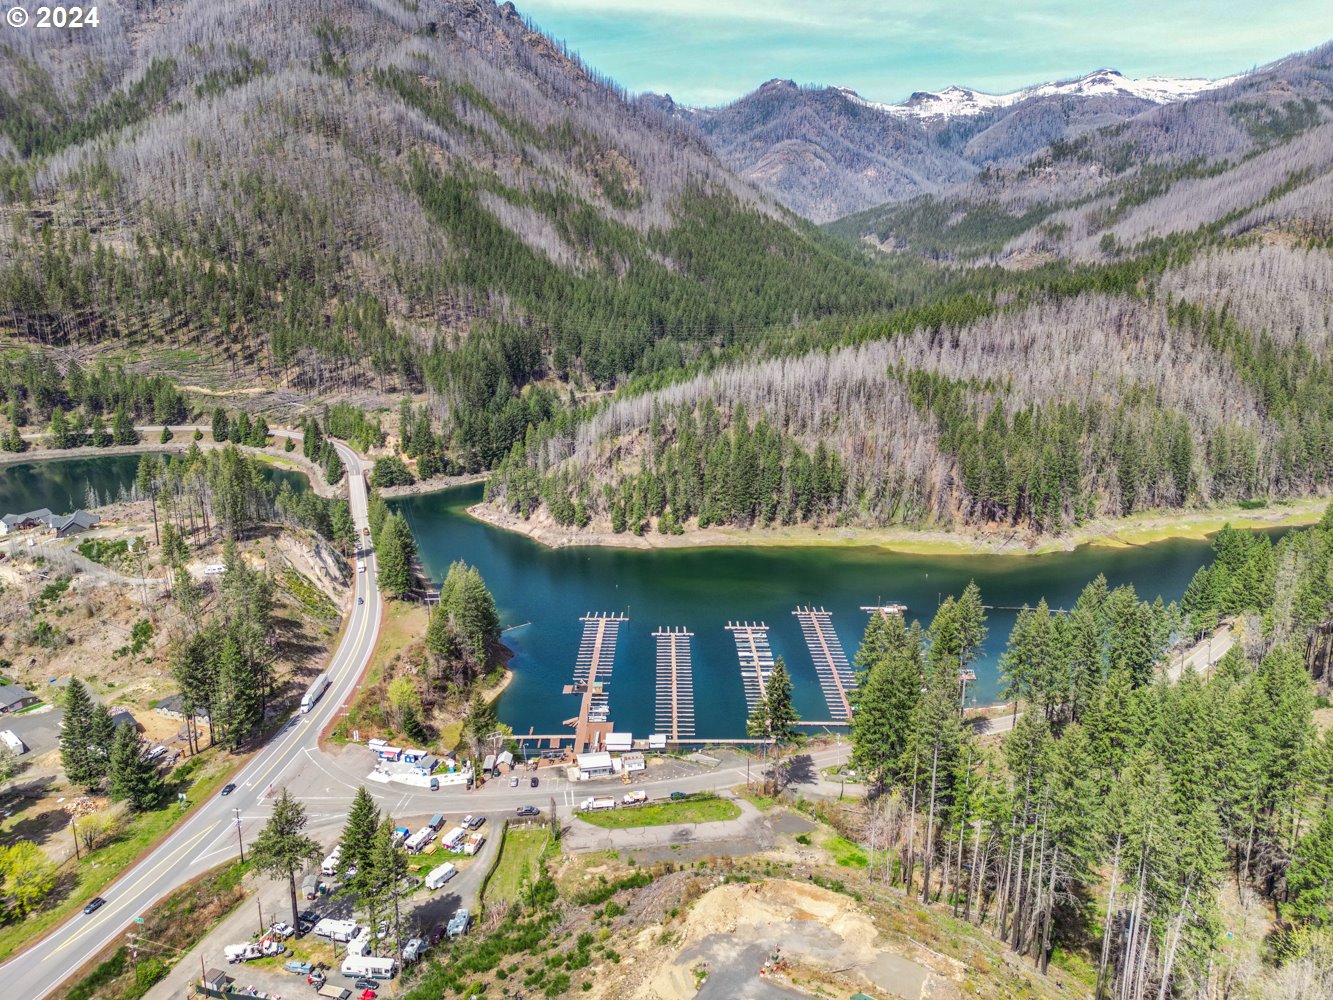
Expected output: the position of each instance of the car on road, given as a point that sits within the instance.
(360, 567)
(676, 796)
(513, 782)
(532, 782)
(228, 788)
(529, 811)
(94, 904)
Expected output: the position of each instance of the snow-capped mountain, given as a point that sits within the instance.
(956, 102)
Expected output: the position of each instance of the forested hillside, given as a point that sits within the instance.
(1107, 392)
(1232, 159)
(1155, 828)
(379, 197)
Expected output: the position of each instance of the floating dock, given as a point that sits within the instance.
(592, 674)
(675, 684)
(885, 610)
(835, 673)
(756, 658)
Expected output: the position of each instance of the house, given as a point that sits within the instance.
(172, 706)
(20, 522)
(506, 759)
(72, 524)
(122, 717)
(595, 765)
(14, 697)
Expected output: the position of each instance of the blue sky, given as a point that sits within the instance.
(711, 51)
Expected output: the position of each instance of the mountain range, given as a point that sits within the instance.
(826, 152)
(593, 295)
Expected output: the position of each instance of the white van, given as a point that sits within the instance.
(370, 966)
(440, 875)
(330, 866)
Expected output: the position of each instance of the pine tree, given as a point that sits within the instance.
(282, 850)
(123, 428)
(778, 708)
(395, 551)
(357, 839)
(81, 767)
(101, 734)
(134, 778)
(886, 699)
(221, 426)
(238, 709)
(58, 435)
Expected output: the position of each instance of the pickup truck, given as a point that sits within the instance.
(604, 802)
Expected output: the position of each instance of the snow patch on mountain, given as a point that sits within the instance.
(955, 102)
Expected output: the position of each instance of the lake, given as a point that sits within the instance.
(703, 589)
(65, 484)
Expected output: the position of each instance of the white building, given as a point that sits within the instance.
(595, 765)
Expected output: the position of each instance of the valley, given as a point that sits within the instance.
(804, 546)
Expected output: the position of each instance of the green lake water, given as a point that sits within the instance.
(704, 588)
(66, 484)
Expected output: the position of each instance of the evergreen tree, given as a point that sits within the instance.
(238, 706)
(123, 428)
(779, 712)
(165, 436)
(282, 850)
(1310, 877)
(886, 699)
(357, 839)
(81, 766)
(220, 425)
(57, 433)
(134, 778)
(395, 550)
(97, 433)
(101, 734)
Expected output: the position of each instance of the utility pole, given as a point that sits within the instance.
(241, 843)
(75, 830)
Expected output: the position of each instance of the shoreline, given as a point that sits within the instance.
(181, 441)
(433, 485)
(1138, 529)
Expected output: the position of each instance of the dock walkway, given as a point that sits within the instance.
(675, 684)
(592, 674)
(756, 658)
(835, 673)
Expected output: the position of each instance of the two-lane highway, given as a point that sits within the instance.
(186, 852)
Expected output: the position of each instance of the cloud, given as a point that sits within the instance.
(707, 51)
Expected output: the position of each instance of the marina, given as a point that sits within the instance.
(705, 589)
(756, 658)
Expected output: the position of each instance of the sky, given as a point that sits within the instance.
(706, 52)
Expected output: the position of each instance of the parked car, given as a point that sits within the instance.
(94, 904)
(306, 919)
(316, 977)
(280, 928)
(532, 782)
(679, 795)
(528, 811)
(365, 984)
(368, 994)
(434, 784)
(513, 782)
(474, 822)
(228, 788)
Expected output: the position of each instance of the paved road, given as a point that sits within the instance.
(208, 836)
(325, 782)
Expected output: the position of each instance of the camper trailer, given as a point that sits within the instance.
(370, 967)
(440, 876)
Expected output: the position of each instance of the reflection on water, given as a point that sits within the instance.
(703, 589)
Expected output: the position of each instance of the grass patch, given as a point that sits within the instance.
(757, 799)
(845, 853)
(404, 623)
(96, 871)
(520, 848)
(696, 809)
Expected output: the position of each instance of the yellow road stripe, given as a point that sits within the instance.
(171, 859)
